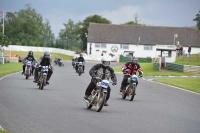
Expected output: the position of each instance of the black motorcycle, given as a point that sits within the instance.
(80, 68)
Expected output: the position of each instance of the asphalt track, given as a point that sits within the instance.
(59, 108)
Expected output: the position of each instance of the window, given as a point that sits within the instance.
(100, 45)
(148, 47)
(97, 45)
(103, 45)
(124, 46)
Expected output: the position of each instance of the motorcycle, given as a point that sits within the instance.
(43, 77)
(130, 88)
(80, 68)
(74, 64)
(60, 63)
(28, 69)
(98, 95)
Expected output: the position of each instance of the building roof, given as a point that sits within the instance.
(126, 34)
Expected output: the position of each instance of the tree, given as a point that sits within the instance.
(85, 24)
(4, 40)
(197, 19)
(130, 23)
(26, 27)
(71, 30)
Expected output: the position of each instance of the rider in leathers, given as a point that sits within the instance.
(80, 59)
(44, 61)
(103, 71)
(130, 68)
(31, 58)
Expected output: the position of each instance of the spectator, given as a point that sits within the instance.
(181, 50)
(189, 50)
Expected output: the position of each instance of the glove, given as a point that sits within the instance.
(124, 71)
(114, 83)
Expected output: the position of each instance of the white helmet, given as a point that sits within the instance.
(105, 58)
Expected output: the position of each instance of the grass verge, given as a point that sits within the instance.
(1, 131)
(37, 55)
(10, 68)
(191, 84)
(149, 71)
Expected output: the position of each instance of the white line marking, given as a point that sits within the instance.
(1, 128)
(184, 76)
(171, 76)
(175, 87)
(8, 75)
(194, 76)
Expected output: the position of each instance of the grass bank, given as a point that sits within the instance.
(37, 55)
(191, 84)
(9, 68)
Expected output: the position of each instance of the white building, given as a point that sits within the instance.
(140, 41)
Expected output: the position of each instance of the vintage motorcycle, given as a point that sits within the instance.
(130, 89)
(60, 63)
(80, 68)
(98, 95)
(28, 69)
(43, 77)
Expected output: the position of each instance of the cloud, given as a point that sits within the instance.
(122, 14)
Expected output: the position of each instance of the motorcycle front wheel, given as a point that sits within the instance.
(101, 99)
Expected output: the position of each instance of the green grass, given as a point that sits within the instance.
(149, 71)
(194, 59)
(37, 55)
(10, 68)
(191, 84)
(1, 131)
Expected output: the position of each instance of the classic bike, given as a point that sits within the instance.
(43, 77)
(60, 63)
(80, 68)
(28, 69)
(98, 95)
(130, 89)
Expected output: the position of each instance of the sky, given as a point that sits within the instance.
(173, 13)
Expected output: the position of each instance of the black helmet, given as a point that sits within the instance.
(30, 53)
(81, 55)
(46, 54)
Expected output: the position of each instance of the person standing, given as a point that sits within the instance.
(189, 50)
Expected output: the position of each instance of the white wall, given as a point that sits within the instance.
(138, 50)
(39, 49)
(193, 50)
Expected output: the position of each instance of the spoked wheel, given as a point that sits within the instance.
(100, 101)
(27, 76)
(132, 92)
(41, 84)
(124, 93)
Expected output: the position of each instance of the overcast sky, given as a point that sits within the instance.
(175, 13)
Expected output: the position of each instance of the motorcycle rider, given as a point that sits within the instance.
(31, 58)
(103, 71)
(130, 68)
(80, 59)
(44, 61)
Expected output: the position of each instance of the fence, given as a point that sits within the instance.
(73, 45)
(127, 59)
(191, 58)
